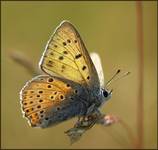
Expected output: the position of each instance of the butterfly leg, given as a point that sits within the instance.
(78, 121)
(79, 118)
(82, 125)
(90, 109)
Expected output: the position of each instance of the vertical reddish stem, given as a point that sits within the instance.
(140, 105)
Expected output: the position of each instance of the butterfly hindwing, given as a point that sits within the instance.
(97, 63)
(49, 100)
(66, 55)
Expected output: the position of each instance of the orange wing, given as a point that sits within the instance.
(49, 100)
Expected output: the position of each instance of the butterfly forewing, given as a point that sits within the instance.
(49, 100)
(66, 55)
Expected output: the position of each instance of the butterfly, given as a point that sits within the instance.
(73, 84)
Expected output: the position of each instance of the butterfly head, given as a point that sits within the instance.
(106, 95)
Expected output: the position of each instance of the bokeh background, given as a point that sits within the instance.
(109, 28)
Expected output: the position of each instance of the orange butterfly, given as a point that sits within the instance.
(71, 86)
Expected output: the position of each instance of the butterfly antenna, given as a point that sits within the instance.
(109, 82)
(113, 77)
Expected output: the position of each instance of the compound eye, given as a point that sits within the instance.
(105, 93)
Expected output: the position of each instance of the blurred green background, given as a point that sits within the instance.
(108, 28)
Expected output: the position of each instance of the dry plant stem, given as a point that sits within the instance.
(116, 119)
(140, 111)
(25, 62)
(129, 132)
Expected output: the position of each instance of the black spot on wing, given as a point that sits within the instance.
(68, 41)
(50, 80)
(65, 52)
(84, 67)
(78, 56)
(64, 43)
(88, 77)
(61, 58)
